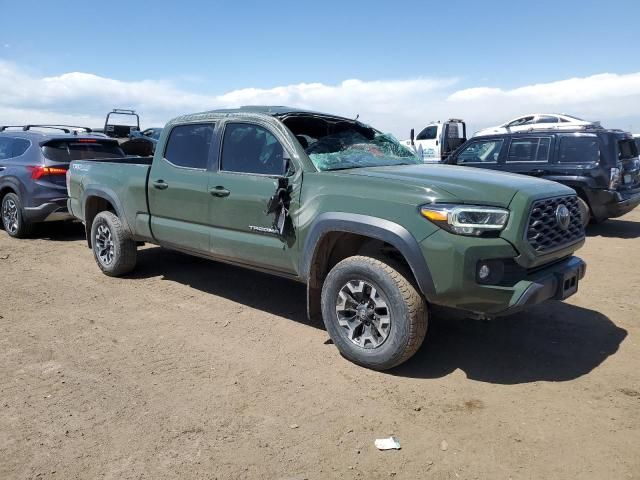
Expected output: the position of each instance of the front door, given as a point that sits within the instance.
(427, 143)
(178, 188)
(251, 161)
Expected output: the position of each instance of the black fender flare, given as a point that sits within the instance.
(369, 226)
(108, 195)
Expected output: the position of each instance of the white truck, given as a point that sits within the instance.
(438, 140)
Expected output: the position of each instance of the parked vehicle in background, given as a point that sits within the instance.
(142, 143)
(150, 133)
(376, 235)
(436, 141)
(535, 121)
(33, 163)
(121, 122)
(636, 138)
(601, 165)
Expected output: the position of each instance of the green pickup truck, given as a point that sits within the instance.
(376, 235)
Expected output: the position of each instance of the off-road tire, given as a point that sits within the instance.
(585, 211)
(124, 247)
(407, 307)
(24, 228)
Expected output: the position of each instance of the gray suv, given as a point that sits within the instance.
(33, 164)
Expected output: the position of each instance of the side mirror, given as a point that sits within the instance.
(412, 135)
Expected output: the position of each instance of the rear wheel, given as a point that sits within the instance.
(113, 248)
(374, 314)
(13, 220)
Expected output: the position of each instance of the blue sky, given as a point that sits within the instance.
(211, 48)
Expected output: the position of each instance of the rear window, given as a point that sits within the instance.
(81, 149)
(579, 150)
(627, 149)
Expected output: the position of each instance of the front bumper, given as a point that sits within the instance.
(453, 261)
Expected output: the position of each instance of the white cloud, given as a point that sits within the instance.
(391, 105)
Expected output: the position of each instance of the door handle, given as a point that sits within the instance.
(538, 173)
(219, 191)
(2, 168)
(160, 185)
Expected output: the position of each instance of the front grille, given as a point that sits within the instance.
(544, 232)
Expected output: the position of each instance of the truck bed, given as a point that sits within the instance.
(123, 181)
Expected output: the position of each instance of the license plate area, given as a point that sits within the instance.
(567, 284)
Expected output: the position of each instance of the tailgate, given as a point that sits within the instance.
(629, 165)
(123, 184)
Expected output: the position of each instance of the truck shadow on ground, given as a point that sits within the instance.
(59, 231)
(279, 296)
(552, 342)
(615, 228)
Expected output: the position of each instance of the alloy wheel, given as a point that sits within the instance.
(104, 247)
(10, 216)
(363, 314)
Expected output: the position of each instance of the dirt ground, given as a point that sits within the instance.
(194, 369)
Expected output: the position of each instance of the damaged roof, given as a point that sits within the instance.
(270, 110)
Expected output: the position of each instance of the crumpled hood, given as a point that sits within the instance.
(464, 184)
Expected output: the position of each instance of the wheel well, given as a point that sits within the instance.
(581, 194)
(334, 247)
(93, 206)
(4, 191)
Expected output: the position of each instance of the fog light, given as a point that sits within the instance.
(483, 272)
(490, 272)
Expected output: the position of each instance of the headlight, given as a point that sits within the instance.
(466, 219)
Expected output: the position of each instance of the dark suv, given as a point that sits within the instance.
(33, 165)
(601, 165)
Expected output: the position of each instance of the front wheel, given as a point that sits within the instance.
(585, 212)
(373, 313)
(113, 248)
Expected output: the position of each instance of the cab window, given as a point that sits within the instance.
(188, 145)
(428, 133)
(250, 148)
(483, 151)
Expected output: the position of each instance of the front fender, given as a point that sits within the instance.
(373, 227)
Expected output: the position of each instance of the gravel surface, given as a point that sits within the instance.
(194, 369)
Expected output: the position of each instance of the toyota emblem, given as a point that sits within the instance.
(563, 216)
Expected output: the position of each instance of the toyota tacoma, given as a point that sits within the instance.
(377, 236)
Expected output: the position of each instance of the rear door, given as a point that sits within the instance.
(251, 161)
(177, 188)
(529, 155)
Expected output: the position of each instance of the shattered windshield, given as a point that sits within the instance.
(352, 149)
(337, 143)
